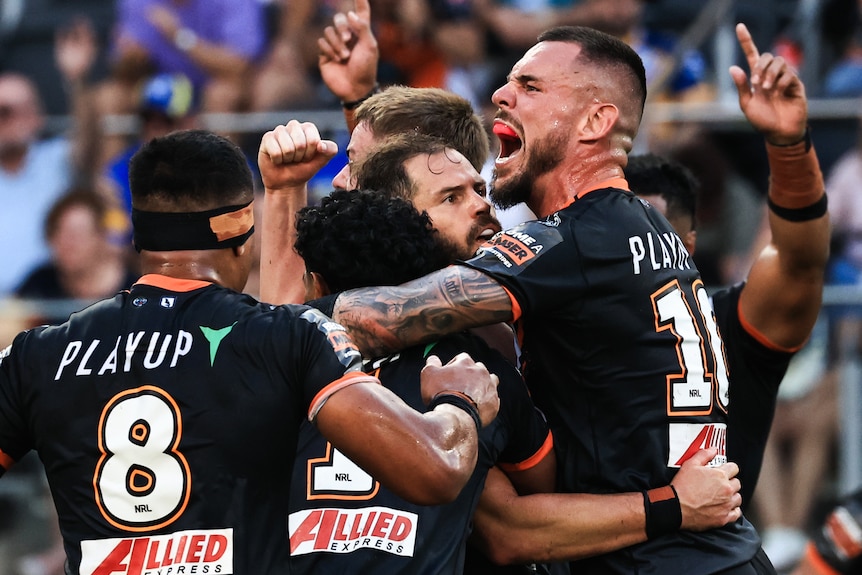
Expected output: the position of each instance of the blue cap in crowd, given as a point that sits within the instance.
(168, 94)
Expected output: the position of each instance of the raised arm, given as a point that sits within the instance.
(782, 297)
(288, 157)
(552, 527)
(348, 58)
(425, 458)
(382, 320)
(75, 52)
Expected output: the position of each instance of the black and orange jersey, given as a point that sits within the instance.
(166, 419)
(343, 521)
(622, 353)
(756, 370)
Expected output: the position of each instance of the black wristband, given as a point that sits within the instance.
(805, 138)
(353, 104)
(812, 212)
(458, 399)
(663, 512)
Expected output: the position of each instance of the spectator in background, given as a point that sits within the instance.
(86, 263)
(213, 42)
(33, 172)
(283, 78)
(166, 103)
(844, 78)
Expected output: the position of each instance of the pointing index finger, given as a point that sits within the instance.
(363, 9)
(747, 45)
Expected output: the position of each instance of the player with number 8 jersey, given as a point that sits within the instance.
(167, 416)
(160, 457)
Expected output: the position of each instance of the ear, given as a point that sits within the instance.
(315, 286)
(238, 251)
(600, 120)
(689, 241)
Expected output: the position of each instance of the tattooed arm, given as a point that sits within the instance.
(382, 320)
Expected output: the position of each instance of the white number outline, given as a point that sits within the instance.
(674, 312)
(171, 451)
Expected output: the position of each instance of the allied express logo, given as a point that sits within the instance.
(207, 551)
(347, 530)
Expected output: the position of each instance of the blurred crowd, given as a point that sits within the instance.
(70, 72)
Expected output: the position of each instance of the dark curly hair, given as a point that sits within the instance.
(361, 238)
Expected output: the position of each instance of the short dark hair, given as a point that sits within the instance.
(431, 111)
(190, 170)
(653, 175)
(383, 169)
(359, 238)
(601, 48)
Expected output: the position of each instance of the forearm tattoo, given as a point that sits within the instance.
(382, 320)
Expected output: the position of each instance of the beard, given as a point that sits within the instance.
(547, 154)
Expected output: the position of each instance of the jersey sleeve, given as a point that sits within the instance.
(15, 440)
(332, 361)
(520, 432)
(529, 437)
(534, 262)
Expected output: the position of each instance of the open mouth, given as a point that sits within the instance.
(510, 142)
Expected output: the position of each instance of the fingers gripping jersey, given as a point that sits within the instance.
(343, 521)
(166, 419)
(622, 353)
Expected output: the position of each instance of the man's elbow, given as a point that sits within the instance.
(439, 487)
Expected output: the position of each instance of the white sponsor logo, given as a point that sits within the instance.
(658, 251)
(167, 302)
(346, 530)
(184, 552)
(687, 438)
(119, 355)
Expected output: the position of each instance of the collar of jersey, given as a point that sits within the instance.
(618, 183)
(171, 284)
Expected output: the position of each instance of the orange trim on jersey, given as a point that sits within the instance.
(171, 284)
(516, 307)
(347, 379)
(618, 183)
(762, 339)
(6, 462)
(816, 562)
(534, 460)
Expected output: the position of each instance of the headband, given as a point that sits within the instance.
(225, 227)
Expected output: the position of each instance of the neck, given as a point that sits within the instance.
(185, 271)
(186, 265)
(557, 189)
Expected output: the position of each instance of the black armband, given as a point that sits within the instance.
(352, 105)
(460, 400)
(663, 512)
(812, 212)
